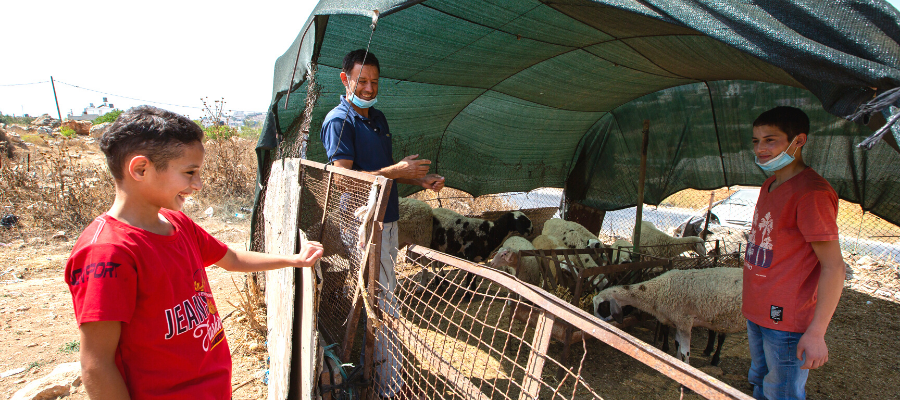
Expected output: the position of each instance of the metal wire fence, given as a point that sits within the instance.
(332, 210)
(861, 233)
(498, 346)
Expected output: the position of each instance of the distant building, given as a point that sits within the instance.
(91, 113)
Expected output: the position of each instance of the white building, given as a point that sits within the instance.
(91, 113)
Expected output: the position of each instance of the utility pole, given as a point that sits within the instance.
(59, 114)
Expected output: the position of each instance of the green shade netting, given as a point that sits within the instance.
(515, 95)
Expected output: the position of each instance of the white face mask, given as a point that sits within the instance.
(778, 162)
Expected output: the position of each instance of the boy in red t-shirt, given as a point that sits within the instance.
(793, 268)
(149, 324)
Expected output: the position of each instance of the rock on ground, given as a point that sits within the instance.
(80, 127)
(58, 383)
(99, 130)
(45, 120)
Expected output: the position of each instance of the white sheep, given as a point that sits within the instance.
(709, 298)
(415, 223)
(508, 259)
(665, 246)
(573, 234)
(626, 247)
(732, 240)
(549, 242)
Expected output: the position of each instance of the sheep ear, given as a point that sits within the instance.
(616, 310)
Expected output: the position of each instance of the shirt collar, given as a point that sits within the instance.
(352, 110)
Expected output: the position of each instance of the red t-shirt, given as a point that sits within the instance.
(781, 270)
(172, 344)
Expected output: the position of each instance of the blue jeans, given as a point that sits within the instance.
(774, 368)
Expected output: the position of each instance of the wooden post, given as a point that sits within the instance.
(639, 209)
(531, 384)
(712, 196)
(280, 210)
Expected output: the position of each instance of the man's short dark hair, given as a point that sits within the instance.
(149, 131)
(356, 57)
(790, 120)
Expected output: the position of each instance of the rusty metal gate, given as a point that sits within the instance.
(451, 348)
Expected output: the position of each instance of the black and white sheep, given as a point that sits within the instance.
(474, 239)
(657, 243)
(709, 298)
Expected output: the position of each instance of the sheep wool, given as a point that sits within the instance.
(507, 259)
(473, 238)
(709, 298)
(415, 223)
(666, 246)
(573, 234)
(626, 255)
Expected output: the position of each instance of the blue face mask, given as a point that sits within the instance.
(780, 161)
(362, 103)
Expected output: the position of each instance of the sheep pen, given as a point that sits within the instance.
(464, 335)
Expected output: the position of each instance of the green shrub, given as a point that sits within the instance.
(9, 119)
(67, 132)
(108, 117)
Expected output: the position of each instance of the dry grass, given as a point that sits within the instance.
(61, 184)
(57, 185)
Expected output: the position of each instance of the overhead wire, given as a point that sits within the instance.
(127, 97)
(24, 84)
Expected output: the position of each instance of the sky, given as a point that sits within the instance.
(164, 51)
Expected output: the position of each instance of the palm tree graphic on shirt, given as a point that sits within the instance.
(766, 226)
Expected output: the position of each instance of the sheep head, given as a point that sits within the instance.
(699, 246)
(515, 221)
(606, 307)
(505, 260)
(613, 303)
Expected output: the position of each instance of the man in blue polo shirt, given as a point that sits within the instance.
(356, 136)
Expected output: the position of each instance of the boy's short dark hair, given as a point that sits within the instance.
(790, 120)
(356, 57)
(149, 131)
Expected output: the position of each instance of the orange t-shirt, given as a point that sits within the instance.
(781, 271)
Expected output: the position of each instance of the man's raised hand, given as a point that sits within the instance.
(410, 168)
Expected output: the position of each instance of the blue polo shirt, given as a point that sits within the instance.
(366, 141)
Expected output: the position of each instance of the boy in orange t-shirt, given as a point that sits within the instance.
(793, 268)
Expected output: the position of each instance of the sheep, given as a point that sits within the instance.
(474, 239)
(625, 255)
(656, 239)
(733, 240)
(709, 298)
(549, 242)
(507, 259)
(415, 223)
(572, 234)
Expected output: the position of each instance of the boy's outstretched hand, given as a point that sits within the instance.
(309, 254)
